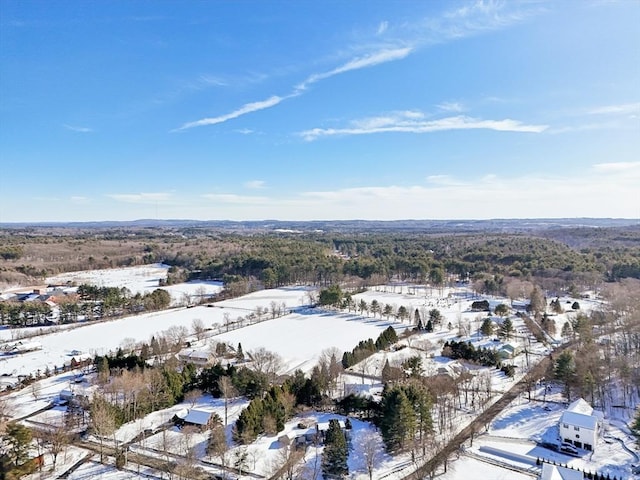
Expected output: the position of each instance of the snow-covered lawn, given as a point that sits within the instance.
(42, 393)
(94, 469)
(466, 468)
(66, 459)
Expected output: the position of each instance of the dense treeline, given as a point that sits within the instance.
(275, 259)
(483, 356)
(366, 348)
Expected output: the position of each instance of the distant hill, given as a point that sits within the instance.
(500, 225)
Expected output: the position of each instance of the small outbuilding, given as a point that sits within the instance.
(199, 418)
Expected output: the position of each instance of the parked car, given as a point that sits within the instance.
(549, 445)
(568, 448)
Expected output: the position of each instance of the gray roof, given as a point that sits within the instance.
(198, 417)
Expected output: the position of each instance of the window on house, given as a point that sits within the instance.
(565, 425)
(577, 429)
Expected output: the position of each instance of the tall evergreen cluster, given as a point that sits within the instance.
(264, 415)
(405, 414)
(466, 351)
(366, 348)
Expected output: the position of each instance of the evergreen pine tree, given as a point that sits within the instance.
(398, 419)
(336, 452)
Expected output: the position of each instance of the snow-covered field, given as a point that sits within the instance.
(140, 279)
(301, 337)
(100, 338)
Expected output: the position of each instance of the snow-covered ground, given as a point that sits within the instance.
(140, 279)
(100, 338)
(300, 338)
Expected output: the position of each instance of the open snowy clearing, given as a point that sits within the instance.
(301, 337)
(100, 338)
(466, 468)
(140, 279)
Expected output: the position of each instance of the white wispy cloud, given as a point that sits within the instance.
(578, 195)
(244, 131)
(369, 60)
(620, 109)
(617, 167)
(410, 124)
(77, 129)
(243, 110)
(479, 16)
(255, 184)
(78, 199)
(232, 198)
(455, 107)
(441, 180)
(141, 197)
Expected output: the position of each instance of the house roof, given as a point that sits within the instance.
(198, 417)
(196, 354)
(579, 420)
(580, 406)
(555, 472)
(580, 414)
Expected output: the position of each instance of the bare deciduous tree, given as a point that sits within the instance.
(288, 464)
(198, 328)
(371, 446)
(192, 396)
(228, 391)
(264, 361)
(102, 421)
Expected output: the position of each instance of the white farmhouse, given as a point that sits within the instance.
(200, 358)
(579, 425)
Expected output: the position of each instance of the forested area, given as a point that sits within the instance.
(583, 257)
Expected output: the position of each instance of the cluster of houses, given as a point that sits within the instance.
(21, 346)
(307, 433)
(51, 295)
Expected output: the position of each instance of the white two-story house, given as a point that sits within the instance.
(579, 425)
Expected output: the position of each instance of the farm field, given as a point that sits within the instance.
(101, 338)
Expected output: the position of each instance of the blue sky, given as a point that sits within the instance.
(319, 110)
